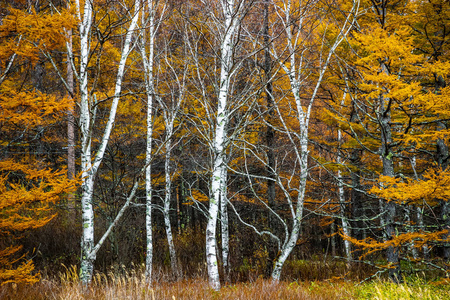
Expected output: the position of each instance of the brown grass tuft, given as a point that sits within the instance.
(132, 285)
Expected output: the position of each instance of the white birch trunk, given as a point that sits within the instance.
(294, 234)
(170, 113)
(219, 143)
(70, 128)
(148, 193)
(303, 111)
(224, 227)
(168, 198)
(87, 211)
(148, 74)
(89, 168)
(345, 223)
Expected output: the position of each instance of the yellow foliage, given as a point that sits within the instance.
(420, 239)
(26, 195)
(199, 196)
(434, 185)
(29, 109)
(21, 273)
(24, 33)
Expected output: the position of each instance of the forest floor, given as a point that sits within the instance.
(133, 286)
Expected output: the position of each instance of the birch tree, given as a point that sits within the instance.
(294, 17)
(147, 39)
(170, 102)
(90, 163)
(215, 119)
(341, 195)
(229, 10)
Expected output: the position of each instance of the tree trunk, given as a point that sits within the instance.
(357, 207)
(167, 201)
(148, 62)
(388, 170)
(70, 130)
(87, 211)
(442, 159)
(224, 227)
(220, 142)
(88, 167)
(344, 220)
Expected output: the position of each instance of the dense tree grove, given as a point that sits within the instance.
(223, 136)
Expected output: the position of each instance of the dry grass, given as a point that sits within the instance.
(133, 286)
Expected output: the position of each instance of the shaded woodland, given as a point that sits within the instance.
(227, 140)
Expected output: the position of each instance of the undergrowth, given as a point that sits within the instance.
(411, 289)
(132, 285)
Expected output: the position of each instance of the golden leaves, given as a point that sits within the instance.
(434, 185)
(26, 195)
(21, 273)
(30, 109)
(25, 33)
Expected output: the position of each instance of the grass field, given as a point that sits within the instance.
(133, 286)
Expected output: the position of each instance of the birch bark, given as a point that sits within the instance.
(224, 227)
(87, 211)
(229, 9)
(147, 39)
(70, 127)
(344, 220)
(168, 198)
(293, 67)
(88, 167)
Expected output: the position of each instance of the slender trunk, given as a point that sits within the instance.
(344, 220)
(167, 201)
(270, 133)
(224, 227)
(419, 213)
(148, 75)
(442, 159)
(219, 144)
(70, 130)
(87, 217)
(392, 253)
(87, 214)
(211, 241)
(88, 167)
(148, 188)
(148, 195)
(289, 245)
(345, 223)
